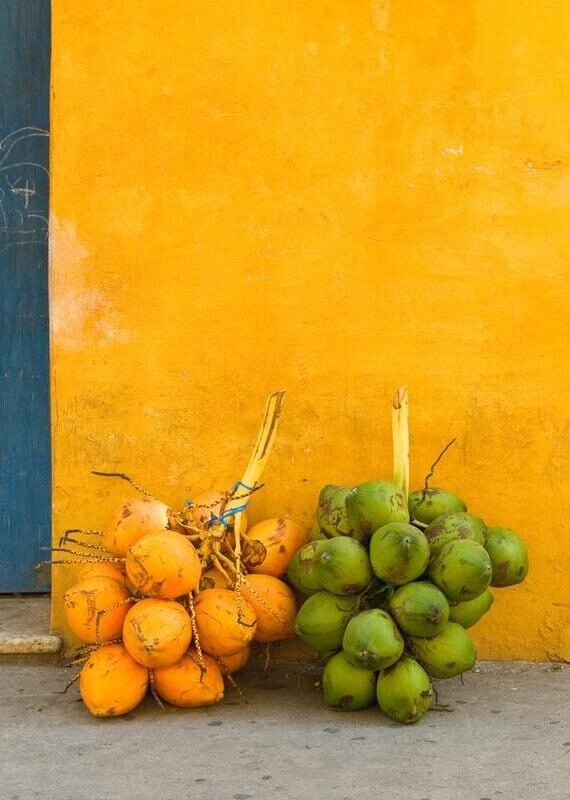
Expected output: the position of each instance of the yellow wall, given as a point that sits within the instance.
(333, 198)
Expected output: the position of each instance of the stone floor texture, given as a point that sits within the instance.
(505, 736)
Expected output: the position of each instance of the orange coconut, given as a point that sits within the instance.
(236, 661)
(213, 579)
(281, 538)
(163, 564)
(185, 684)
(102, 570)
(111, 682)
(95, 608)
(274, 606)
(133, 520)
(220, 630)
(208, 505)
(157, 633)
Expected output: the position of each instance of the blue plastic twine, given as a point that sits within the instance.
(222, 519)
(245, 486)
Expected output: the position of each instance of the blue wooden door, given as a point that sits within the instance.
(25, 480)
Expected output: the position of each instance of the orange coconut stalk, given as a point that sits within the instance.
(95, 609)
(274, 605)
(188, 684)
(208, 507)
(281, 538)
(250, 482)
(225, 625)
(156, 632)
(163, 565)
(111, 682)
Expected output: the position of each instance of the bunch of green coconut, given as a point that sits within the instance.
(393, 583)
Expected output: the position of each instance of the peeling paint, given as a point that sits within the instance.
(457, 150)
(75, 304)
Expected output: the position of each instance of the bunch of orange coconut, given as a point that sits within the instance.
(172, 601)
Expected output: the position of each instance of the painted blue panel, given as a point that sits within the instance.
(25, 468)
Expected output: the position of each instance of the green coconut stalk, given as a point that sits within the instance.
(401, 440)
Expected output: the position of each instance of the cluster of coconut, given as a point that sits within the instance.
(162, 602)
(392, 584)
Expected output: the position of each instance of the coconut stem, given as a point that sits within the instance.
(64, 538)
(259, 456)
(70, 683)
(435, 463)
(401, 440)
(252, 474)
(152, 687)
(124, 477)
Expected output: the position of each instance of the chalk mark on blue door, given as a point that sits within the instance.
(24, 189)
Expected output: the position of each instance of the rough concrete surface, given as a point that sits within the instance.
(24, 625)
(24, 614)
(506, 737)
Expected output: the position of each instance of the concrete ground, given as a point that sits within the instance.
(24, 626)
(506, 736)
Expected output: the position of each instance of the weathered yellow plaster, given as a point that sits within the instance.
(333, 198)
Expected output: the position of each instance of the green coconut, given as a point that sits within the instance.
(373, 504)
(450, 527)
(404, 691)
(509, 556)
(425, 505)
(399, 553)
(447, 654)
(322, 618)
(301, 571)
(331, 511)
(462, 570)
(342, 566)
(347, 687)
(317, 535)
(372, 640)
(471, 611)
(420, 609)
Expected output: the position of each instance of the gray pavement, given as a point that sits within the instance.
(506, 737)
